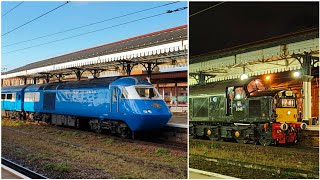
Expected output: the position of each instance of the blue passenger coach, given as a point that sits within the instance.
(120, 105)
(12, 100)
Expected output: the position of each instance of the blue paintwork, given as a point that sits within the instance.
(93, 99)
(13, 105)
(33, 106)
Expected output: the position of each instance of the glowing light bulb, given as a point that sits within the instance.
(244, 76)
(296, 74)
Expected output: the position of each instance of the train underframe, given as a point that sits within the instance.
(116, 127)
(263, 133)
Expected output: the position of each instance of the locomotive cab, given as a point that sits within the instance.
(139, 104)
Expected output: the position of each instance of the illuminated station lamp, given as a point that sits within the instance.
(244, 75)
(296, 74)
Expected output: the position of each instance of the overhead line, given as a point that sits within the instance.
(98, 22)
(206, 9)
(34, 19)
(12, 9)
(90, 32)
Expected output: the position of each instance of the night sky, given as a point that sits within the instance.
(235, 23)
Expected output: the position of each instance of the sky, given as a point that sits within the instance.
(236, 23)
(75, 14)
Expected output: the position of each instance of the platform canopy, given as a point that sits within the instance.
(166, 49)
(278, 54)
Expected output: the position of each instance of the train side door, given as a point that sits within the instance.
(115, 91)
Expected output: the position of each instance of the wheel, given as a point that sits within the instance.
(214, 135)
(240, 137)
(123, 130)
(242, 140)
(265, 141)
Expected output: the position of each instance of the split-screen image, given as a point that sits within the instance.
(159, 90)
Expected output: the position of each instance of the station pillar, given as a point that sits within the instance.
(307, 98)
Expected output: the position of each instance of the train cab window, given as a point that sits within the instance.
(124, 93)
(3, 96)
(146, 92)
(239, 93)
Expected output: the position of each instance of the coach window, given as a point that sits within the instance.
(3, 96)
(9, 96)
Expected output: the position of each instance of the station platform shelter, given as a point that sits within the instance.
(160, 57)
(290, 61)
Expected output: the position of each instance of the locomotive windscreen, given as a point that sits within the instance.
(147, 92)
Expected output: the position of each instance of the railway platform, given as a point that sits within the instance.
(310, 136)
(8, 173)
(177, 128)
(199, 174)
(179, 118)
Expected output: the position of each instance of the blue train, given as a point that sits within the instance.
(120, 105)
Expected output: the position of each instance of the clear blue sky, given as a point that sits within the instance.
(72, 15)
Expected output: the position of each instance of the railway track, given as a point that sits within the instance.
(20, 169)
(291, 146)
(150, 139)
(103, 151)
(257, 167)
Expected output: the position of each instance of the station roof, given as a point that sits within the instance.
(266, 43)
(143, 41)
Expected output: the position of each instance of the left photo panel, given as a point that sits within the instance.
(94, 90)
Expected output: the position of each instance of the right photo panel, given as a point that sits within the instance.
(254, 90)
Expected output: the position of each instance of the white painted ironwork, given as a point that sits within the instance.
(159, 52)
(263, 61)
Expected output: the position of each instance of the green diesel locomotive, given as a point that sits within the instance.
(245, 111)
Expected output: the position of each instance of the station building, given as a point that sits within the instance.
(160, 57)
(287, 61)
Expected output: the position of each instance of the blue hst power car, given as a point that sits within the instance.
(120, 105)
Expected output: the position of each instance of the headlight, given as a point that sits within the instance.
(146, 111)
(289, 112)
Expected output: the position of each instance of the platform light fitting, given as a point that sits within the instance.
(268, 77)
(296, 74)
(244, 76)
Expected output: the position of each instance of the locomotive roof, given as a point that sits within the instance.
(87, 84)
(216, 87)
(13, 88)
(220, 88)
(146, 40)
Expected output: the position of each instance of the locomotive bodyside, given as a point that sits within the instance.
(118, 104)
(248, 112)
